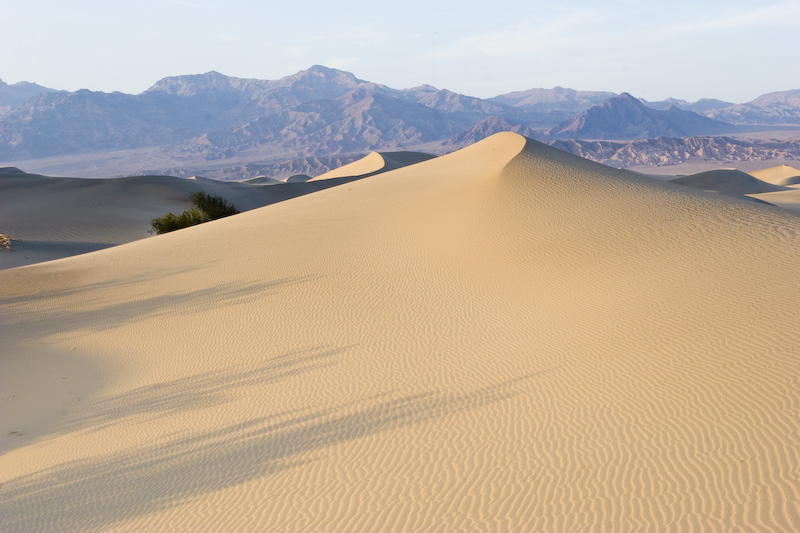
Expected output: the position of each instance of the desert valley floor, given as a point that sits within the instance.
(507, 337)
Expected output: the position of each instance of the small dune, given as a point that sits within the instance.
(782, 175)
(727, 181)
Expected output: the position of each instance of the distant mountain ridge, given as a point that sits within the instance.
(781, 107)
(213, 121)
(627, 118)
(702, 107)
(16, 94)
(665, 151)
(555, 99)
(319, 111)
(488, 127)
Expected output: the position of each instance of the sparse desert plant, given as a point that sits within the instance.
(171, 221)
(206, 207)
(213, 206)
(5, 241)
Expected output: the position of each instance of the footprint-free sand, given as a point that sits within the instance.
(503, 338)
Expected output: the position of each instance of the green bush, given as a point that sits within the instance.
(206, 207)
(213, 206)
(171, 221)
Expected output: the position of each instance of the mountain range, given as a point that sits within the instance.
(215, 124)
(16, 94)
(626, 117)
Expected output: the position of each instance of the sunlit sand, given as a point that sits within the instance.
(507, 337)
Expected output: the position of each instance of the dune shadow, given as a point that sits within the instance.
(59, 287)
(18, 322)
(196, 392)
(100, 492)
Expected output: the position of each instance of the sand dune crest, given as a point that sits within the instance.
(783, 175)
(728, 181)
(505, 337)
(375, 163)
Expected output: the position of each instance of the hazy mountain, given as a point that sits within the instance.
(209, 122)
(450, 102)
(546, 108)
(555, 99)
(86, 121)
(15, 94)
(318, 111)
(626, 117)
(486, 128)
(226, 92)
(672, 151)
(701, 107)
(363, 119)
(773, 108)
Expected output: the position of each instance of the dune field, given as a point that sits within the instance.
(786, 177)
(505, 338)
(52, 217)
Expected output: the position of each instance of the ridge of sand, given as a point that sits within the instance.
(782, 175)
(375, 163)
(262, 180)
(727, 181)
(52, 217)
(503, 338)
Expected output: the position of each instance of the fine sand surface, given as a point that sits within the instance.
(503, 338)
(52, 218)
(727, 181)
(785, 176)
(780, 175)
(778, 186)
(376, 163)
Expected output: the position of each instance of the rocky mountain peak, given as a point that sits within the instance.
(193, 84)
(626, 117)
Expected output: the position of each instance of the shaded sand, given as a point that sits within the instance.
(727, 181)
(298, 178)
(262, 180)
(781, 175)
(788, 199)
(60, 217)
(376, 163)
(503, 338)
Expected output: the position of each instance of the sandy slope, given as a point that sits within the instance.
(780, 175)
(506, 337)
(783, 175)
(375, 163)
(727, 181)
(60, 217)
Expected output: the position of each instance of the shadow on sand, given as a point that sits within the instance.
(100, 492)
(20, 324)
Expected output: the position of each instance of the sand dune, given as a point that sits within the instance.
(727, 181)
(60, 217)
(263, 180)
(783, 175)
(375, 163)
(789, 199)
(503, 338)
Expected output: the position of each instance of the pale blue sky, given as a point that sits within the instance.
(733, 50)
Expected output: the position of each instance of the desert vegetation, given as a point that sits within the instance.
(206, 208)
(5, 241)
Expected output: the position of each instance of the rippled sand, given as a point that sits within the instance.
(506, 337)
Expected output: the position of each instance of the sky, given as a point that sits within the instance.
(731, 50)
